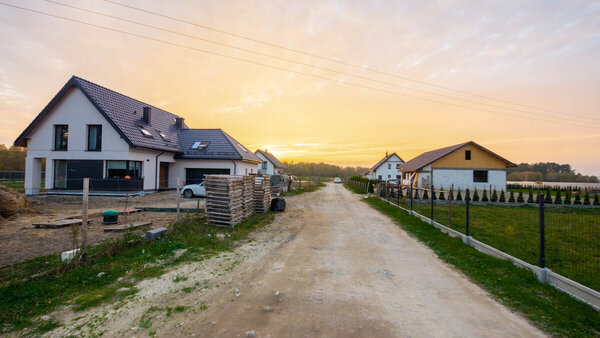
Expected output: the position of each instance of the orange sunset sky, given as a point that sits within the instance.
(540, 54)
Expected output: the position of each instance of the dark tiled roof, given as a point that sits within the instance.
(434, 155)
(272, 159)
(220, 145)
(125, 115)
(385, 158)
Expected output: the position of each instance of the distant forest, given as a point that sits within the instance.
(322, 169)
(12, 159)
(548, 172)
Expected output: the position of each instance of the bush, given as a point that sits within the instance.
(511, 198)
(400, 194)
(558, 198)
(530, 197)
(577, 198)
(485, 198)
(442, 197)
(416, 194)
(596, 200)
(475, 196)
(494, 196)
(567, 199)
(520, 198)
(548, 197)
(425, 195)
(537, 198)
(586, 199)
(460, 198)
(433, 195)
(502, 197)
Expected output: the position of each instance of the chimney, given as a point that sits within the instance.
(179, 122)
(147, 117)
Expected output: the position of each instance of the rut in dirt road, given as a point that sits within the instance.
(350, 271)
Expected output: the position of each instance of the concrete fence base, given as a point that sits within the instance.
(544, 275)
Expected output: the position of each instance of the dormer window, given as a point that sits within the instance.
(145, 132)
(163, 136)
(199, 145)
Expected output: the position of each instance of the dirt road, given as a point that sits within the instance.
(329, 266)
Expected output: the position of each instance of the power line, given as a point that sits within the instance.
(342, 62)
(275, 67)
(301, 63)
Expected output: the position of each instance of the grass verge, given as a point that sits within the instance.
(40, 285)
(354, 189)
(305, 188)
(553, 311)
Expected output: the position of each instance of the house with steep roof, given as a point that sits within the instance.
(271, 164)
(465, 165)
(121, 144)
(386, 168)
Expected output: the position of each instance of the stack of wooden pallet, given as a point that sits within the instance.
(248, 196)
(224, 200)
(262, 193)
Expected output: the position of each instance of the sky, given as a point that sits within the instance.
(354, 79)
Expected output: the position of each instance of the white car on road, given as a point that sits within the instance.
(337, 180)
(192, 190)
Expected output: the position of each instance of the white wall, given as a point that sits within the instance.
(392, 172)
(463, 179)
(177, 169)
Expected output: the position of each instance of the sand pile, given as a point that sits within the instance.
(12, 202)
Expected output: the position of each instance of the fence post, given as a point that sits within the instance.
(450, 209)
(542, 262)
(178, 197)
(432, 204)
(467, 200)
(411, 200)
(84, 218)
(398, 194)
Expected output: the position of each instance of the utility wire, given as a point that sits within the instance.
(303, 63)
(277, 67)
(343, 62)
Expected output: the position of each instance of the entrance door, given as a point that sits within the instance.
(163, 177)
(196, 175)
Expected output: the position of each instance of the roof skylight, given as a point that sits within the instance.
(163, 136)
(145, 132)
(199, 145)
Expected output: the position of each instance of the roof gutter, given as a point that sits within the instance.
(234, 167)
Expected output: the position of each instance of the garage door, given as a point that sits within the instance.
(196, 175)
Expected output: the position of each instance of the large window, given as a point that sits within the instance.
(94, 141)
(60, 174)
(61, 136)
(120, 169)
(480, 176)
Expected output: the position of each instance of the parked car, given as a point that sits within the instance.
(392, 181)
(192, 190)
(337, 180)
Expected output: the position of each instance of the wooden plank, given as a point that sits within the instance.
(124, 227)
(59, 223)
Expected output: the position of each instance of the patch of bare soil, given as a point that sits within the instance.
(329, 266)
(21, 241)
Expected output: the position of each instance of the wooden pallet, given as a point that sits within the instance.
(124, 227)
(62, 223)
(262, 193)
(224, 200)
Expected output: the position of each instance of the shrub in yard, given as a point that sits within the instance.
(459, 196)
(494, 196)
(475, 196)
(400, 194)
(520, 198)
(558, 198)
(537, 198)
(425, 195)
(511, 197)
(548, 197)
(596, 200)
(577, 198)
(485, 198)
(502, 197)
(567, 199)
(441, 196)
(416, 194)
(433, 194)
(530, 197)
(586, 199)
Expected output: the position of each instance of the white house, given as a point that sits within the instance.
(387, 167)
(121, 144)
(271, 165)
(465, 165)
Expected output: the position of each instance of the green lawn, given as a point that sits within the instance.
(306, 187)
(550, 309)
(572, 234)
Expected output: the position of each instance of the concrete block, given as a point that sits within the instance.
(155, 234)
(69, 255)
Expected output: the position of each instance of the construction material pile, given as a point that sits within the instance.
(248, 196)
(224, 200)
(12, 202)
(262, 193)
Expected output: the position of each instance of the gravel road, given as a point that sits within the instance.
(329, 266)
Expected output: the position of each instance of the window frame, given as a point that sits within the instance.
(63, 139)
(483, 179)
(131, 167)
(467, 155)
(99, 142)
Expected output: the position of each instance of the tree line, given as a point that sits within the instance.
(12, 159)
(322, 169)
(547, 171)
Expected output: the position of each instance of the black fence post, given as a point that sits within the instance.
(411, 200)
(432, 204)
(467, 199)
(398, 194)
(542, 262)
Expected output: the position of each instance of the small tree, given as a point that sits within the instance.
(459, 196)
(494, 196)
(520, 198)
(577, 198)
(400, 194)
(586, 198)
(416, 194)
(511, 198)
(442, 196)
(485, 198)
(502, 197)
(425, 195)
(537, 198)
(596, 199)
(433, 194)
(548, 197)
(530, 197)
(475, 196)
(558, 198)
(567, 199)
